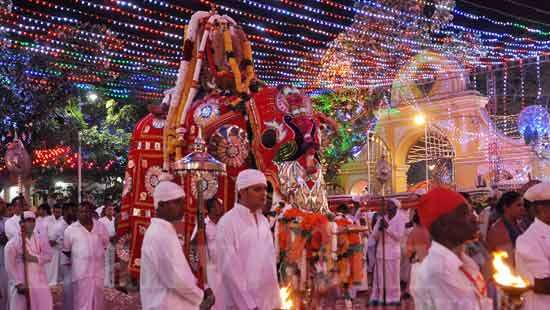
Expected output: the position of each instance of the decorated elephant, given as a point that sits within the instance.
(277, 132)
(244, 123)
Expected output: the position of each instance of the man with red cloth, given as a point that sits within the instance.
(447, 278)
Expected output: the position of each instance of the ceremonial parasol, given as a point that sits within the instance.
(200, 166)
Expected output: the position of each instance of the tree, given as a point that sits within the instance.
(353, 110)
(42, 105)
(105, 129)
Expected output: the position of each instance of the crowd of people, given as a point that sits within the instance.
(59, 244)
(437, 255)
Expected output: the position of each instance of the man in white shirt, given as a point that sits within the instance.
(388, 233)
(25, 267)
(42, 220)
(447, 278)
(3, 241)
(214, 207)
(70, 211)
(85, 241)
(12, 227)
(533, 248)
(109, 221)
(166, 280)
(54, 233)
(248, 264)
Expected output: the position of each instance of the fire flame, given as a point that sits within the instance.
(286, 301)
(504, 275)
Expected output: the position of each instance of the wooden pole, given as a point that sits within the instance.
(79, 171)
(427, 156)
(201, 241)
(201, 231)
(25, 267)
(383, 248)
(368, 163)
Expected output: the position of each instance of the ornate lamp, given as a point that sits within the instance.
(383, 172)
(201, 167)
(512, 285)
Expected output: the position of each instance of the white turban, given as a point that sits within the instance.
(538, 192)
(250, 177)
(28, 215)
(167, 191)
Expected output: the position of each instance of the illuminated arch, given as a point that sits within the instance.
(439, 155)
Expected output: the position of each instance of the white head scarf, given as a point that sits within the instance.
(28, 215)
(249, 177)
(167, 191)
(538, 192)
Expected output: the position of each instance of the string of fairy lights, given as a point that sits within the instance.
(291, 40)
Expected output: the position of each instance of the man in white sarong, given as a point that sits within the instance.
(533, 249)
(12, 226)
(166, 280)
(55, 232)
(3, 241)
(33, 284)
(109, 221)
(85, 242)
(215, 211)
(388, 232)
(447, 278)
(248, 263)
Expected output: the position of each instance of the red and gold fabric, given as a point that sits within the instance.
(141, 176)
(225, 132)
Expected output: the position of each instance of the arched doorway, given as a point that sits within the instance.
(437, 154)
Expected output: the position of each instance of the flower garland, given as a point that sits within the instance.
(228, 45)
(308, 252)
(350, 259)
(242, 88)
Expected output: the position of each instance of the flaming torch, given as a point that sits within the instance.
(286, 300)
(514, 286)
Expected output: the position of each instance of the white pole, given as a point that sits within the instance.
(79, 169)
(369, 188)
(426, 154)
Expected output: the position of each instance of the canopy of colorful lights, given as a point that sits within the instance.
(128, 48)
